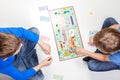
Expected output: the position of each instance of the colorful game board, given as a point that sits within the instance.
(66, 32)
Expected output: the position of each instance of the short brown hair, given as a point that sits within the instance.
(107, 40)
(9, 44)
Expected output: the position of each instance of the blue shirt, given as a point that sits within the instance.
(115, 57)
(6, 66)
(21, 32)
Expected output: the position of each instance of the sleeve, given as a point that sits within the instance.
(29, 73)
(22, 33)
(118, 29)
(115, 58)
(17, 75)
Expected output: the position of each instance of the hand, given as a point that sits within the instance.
(45, 47)
(46, 62)
(91, 43)
(80, 51)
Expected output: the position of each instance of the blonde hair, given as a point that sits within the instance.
(107, 40)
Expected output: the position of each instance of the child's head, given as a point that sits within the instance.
(9, 44)
(107, 40)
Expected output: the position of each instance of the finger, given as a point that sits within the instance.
(48, 52)
(76, 51)
(50, 58)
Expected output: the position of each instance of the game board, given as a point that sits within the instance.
(66, 32)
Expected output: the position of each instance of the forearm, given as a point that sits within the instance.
(97, 56)
(37, 68)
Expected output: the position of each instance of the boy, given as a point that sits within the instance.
(107, 42)
(18, 57)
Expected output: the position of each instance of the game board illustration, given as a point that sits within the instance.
(66, 32)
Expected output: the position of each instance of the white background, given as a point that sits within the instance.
(90, 15)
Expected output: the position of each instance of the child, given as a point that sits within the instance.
(18, 57)
(107, 42)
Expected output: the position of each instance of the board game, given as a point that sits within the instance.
(66, 32)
